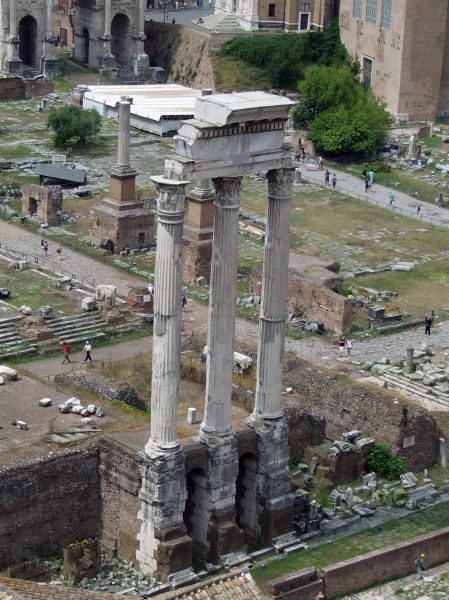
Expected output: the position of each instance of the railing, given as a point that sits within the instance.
(48, 265)
(403, 211)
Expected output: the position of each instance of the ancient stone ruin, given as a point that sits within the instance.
(121, 221)
(229, 136)
(42, 203)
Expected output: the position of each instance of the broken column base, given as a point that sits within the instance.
(223, 533)
(274, 497)
(165, 547)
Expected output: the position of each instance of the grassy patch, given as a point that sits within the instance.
(344, 548)
(233, 75)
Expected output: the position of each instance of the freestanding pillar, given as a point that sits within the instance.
(141, 62)
(275, 501)
(222, 533)
(164, 546)
(13, 64)
(106, 60)
(49, 64)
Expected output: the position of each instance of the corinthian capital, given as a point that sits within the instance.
(280, 182)
(227, 190)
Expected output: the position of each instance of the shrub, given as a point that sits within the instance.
(73, 126)
(384, 463)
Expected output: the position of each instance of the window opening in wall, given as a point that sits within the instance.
(385, 15)
(304, 21)
(371, 11)
(306, 6)
(271, 10)
(357, 9)
(367, 72)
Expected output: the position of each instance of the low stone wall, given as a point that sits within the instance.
(368, 570)
(16, 88)
(363, 571)
(48, 504)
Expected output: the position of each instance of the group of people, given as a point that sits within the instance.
(44, 248)
(368, 179)
(327, 177)
(66, 349)
(344, 343)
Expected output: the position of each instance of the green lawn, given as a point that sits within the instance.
(390, 533)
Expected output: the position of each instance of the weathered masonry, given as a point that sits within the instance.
(184, 517)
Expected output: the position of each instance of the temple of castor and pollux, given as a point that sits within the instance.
(189, 505)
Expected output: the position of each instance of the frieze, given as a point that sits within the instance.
(241, 129)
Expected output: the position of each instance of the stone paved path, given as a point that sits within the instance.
(404, 204)
(429, 589)
(314, 349)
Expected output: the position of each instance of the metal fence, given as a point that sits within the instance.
(403, 211)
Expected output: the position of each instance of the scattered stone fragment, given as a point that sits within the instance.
(45, 402)
(20, 424)
(7, 373)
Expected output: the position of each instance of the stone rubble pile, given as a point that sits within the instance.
(73, 405)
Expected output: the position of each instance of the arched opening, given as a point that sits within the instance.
(196, 513)
(28, 41)
(85, 46)
(121, 39)
(246, 497)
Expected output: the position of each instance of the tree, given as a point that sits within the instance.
(347, 118)
(73, 126)
(384, 463)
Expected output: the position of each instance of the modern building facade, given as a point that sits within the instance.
(291, 15)
(403, 49)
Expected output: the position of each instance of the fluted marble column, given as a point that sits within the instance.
(141, 60)
(13, 64)
(107, 18)
(220, 337)
(106, 60)
(167, 313)
(274, 296)
(274, 499)
(221, 535)
(164, 546)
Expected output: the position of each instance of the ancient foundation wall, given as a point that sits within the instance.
(183, 52)
(317, 301)
(48, 504)
(363, 571)
(368, 570)
(16, 88)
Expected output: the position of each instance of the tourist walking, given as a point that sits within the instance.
(334, 181)
(428, 320)
(87, 349)
(440, 201)
(419, 564)
(320, 163)
(391, 198)
(418, 209)
(327, 176)
(150, 289)
(45, 249)
(341, 345)
(66, 350)
(371, 178)
(366, 184)
(183, 301)
(349, 346)
(42, 246)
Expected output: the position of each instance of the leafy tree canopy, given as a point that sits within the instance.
(73, 126)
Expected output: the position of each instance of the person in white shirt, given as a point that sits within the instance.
(87, 349)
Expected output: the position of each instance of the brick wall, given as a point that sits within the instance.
(365, 571)
(16, 88)
(48, 504)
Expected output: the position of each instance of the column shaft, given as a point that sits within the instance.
(124, 109)
(107, 17)
(274, 296)
(49, 18)
(12, 18)
(220, 340)
(167, 313)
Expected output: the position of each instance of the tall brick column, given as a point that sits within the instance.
(164, 546)
(275, 501)
(216, 432)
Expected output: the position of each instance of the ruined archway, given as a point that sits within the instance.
(121, 39)
(196, 515)
(246, 496)
(28, 41)
(85, 46)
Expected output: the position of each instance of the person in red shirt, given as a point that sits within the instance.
(66, 350)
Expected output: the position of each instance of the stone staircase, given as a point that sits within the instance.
(78, 328)
(412, 389)
(220, 22)
(11, 342)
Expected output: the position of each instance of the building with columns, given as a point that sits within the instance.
(403, 49)
(27, 43)
(291, 15)
(109, 35)
(199, 514)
